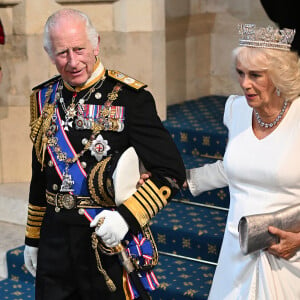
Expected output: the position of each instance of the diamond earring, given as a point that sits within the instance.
(278, 92)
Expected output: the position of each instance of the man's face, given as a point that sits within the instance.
(73, 53)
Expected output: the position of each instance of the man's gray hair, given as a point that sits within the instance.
(52, 21)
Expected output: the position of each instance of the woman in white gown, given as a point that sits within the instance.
(261, 166)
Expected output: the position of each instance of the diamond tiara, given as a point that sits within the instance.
(265, 37)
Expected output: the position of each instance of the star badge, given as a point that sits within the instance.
(99, 147)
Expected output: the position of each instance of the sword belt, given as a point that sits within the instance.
(69, 201)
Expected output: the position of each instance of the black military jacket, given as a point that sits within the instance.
(142, 129)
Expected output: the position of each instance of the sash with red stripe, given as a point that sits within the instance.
(140, 249)
(75, 170)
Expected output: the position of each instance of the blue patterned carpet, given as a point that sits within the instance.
(182, 279)
(20, 284)
(197, 126)
(188, 232)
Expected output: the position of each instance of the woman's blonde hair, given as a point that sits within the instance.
(283, 67)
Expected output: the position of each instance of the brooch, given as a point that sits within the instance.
(99, 147)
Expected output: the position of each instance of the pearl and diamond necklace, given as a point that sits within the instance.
(278, 118)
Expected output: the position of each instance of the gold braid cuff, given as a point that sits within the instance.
(147, 201)
(34, 221)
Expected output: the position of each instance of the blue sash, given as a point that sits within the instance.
(141, 249)
(75, 170)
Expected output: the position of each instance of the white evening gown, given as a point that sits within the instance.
(264, 176)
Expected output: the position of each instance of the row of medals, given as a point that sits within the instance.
(98, 146)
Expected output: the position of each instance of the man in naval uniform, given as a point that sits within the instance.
(79, 120)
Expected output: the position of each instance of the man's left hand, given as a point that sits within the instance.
(30, 259)
(289, 243)
(113, 229)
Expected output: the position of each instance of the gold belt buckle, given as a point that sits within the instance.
(68, 201)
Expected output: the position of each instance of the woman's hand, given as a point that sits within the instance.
(289, 243)
(143, 178)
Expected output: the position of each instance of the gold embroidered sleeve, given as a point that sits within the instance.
(34, 221)
(40, 123)
(147, 201)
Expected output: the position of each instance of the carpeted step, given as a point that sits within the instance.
(193, 161)
(16, 267)
(182, 279)
(197, 126)
(189, 230)
(179, 278)
(20, 284)
(12, 289)
(11, 236)
(218, 198)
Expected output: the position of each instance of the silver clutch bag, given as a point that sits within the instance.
(253, 229)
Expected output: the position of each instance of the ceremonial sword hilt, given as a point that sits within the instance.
(127, 264)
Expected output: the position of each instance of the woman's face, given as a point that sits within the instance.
(256, 85)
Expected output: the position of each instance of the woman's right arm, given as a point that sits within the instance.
(206, 178)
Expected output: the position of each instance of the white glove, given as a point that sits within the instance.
(30, 258)
(113, 229)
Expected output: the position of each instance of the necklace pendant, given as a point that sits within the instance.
(67, 182)
(71, 111)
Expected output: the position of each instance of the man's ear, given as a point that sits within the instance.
(97, 49)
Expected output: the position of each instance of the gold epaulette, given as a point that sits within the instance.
(33, 97)
(121, 77)
(47, 82)
(40, 123)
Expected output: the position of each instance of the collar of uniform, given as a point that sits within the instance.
(98, 73)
